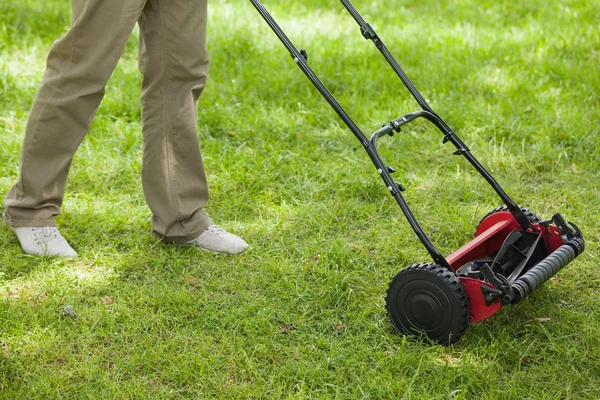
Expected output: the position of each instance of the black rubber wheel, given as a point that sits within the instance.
(531, 216)
(428, 299)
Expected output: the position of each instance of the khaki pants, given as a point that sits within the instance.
(174, 64)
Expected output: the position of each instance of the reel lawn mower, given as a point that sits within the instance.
(513, 253)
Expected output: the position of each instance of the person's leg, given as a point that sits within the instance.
(174, 62)
(79, 65)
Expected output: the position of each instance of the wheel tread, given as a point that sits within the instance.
(451, 280)
(531, 216)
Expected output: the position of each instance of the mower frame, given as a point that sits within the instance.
(543, 242)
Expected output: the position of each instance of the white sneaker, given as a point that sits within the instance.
(217, 240)
(44, 241)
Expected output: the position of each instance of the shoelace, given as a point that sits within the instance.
(215, 229)
(44, 234)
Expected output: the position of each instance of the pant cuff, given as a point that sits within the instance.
(19, 223)
(204, 222)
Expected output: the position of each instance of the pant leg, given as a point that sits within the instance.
(174, 62)
(78, 67)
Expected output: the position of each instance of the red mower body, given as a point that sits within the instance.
(489, 238)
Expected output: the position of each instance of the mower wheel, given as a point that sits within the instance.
(531, 216)
(428, 299)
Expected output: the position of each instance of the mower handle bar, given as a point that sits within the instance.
(301, 59)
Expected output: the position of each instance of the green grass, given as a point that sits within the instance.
(301, 315)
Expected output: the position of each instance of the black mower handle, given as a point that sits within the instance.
(301, 59)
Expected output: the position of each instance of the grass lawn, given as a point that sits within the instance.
(301, 315)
